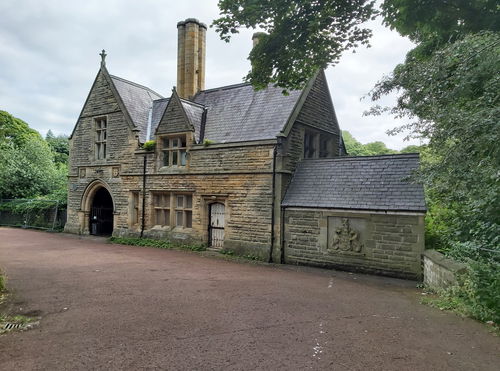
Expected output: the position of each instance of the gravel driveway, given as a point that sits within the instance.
(112, 307)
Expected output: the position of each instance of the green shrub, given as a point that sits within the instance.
(2, 282)
(477, 294)
(150, 145)
(159, 244)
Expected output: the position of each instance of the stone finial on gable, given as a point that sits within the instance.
(103, 58)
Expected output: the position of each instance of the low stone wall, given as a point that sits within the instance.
(380, 243)
(440, 272)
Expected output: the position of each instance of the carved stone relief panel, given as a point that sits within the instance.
(346, 234)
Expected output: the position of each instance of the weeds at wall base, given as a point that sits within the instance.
(159, 244)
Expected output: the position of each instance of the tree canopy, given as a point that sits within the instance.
(59, 146)
(356, 148)
(27, 167)
(301, 36)
(452, 98)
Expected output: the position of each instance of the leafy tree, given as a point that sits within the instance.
(355, 148)
(14, 130)
(378, 148)
(433, 23)
(452, 98)
(422, 20)
(301, 37)
(412, 149)
(27, 168)
(60, 147)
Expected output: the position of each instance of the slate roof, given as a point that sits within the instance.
(138, 100)
(159, 107)
(239, 113)
(194, 112)
(361, 183)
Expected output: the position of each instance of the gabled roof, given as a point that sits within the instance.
(194, 112)
(361, 183)
(159, 107)
(235, 113)
(239, 113)
(138, 100)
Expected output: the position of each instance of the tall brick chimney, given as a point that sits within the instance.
(190, 57)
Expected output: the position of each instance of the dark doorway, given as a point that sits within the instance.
(101, 214)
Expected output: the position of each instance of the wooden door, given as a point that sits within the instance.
(216, 226)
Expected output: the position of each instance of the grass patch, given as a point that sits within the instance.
(250, 257)
(2, 283)
(159, 244)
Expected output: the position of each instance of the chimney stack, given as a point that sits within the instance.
(190, 57)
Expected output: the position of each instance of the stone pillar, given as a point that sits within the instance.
(190, 57)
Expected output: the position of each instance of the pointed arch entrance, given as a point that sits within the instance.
(99, 209)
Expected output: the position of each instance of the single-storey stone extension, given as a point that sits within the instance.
(358, 213)
(256, 172)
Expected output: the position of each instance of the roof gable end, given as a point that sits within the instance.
(174, 119)
(103, 98)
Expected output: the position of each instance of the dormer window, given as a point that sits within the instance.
(101, 126)
(174, 151)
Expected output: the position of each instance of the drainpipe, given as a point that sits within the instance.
(282, 257)
(270, 260)
(144, 193)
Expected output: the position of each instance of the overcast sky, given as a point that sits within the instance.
(49, 56)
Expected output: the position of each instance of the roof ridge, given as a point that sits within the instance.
(192, 103)
(161, 99)
(135, 84)
(226, 87)
(369, 157)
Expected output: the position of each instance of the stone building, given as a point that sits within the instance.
(256, 172)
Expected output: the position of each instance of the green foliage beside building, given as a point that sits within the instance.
(30, 167)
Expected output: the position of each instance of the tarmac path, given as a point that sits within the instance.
(107, 307)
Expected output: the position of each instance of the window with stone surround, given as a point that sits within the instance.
(317, 144)
(325, 147)
(173, 209)
(134, 208)
(183, 211)
(161, 206)
(101, 126)
(173, 150)
(310, 144)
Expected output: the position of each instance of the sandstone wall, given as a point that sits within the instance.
(376, 243)
(439, 271)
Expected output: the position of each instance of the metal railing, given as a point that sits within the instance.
(32, 213)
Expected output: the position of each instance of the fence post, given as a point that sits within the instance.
(27, 215)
